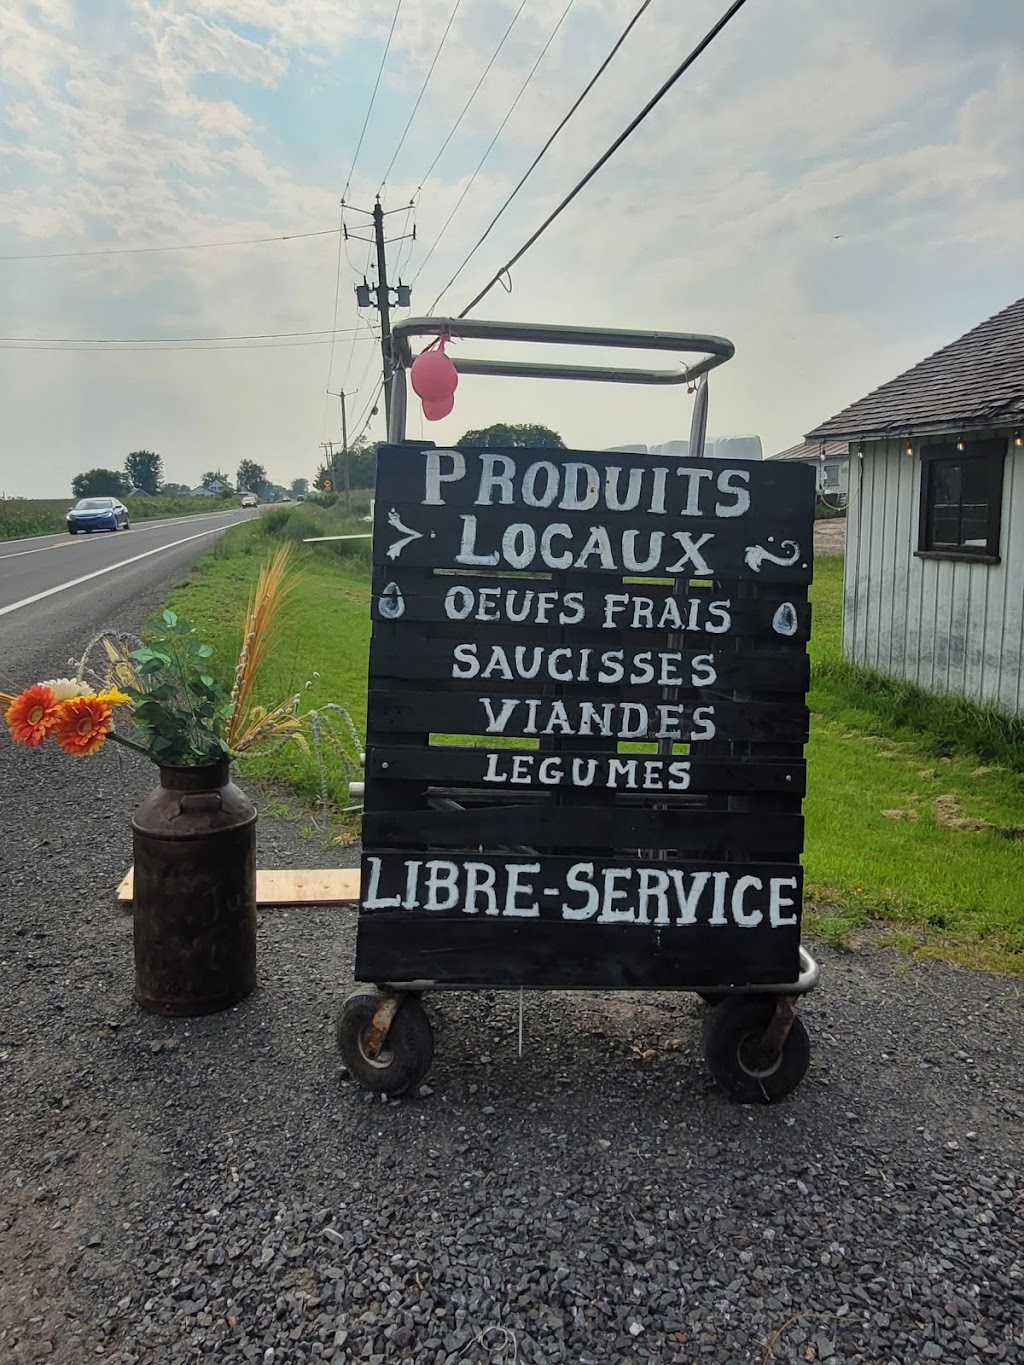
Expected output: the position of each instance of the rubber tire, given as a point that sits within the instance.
(713, 998)
(408, 1049)
(72, 530)
(732, 1024)
(126, 526)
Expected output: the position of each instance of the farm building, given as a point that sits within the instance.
(934, 585)
(832, 461)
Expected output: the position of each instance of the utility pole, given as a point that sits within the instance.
(344, 443)
(384, 307)
(328, 448)
(383, 290)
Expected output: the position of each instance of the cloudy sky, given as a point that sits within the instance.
(837, 186)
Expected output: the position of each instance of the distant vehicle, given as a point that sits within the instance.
(250, 500)
(97, 514)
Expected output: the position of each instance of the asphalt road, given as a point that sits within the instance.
(58, 591)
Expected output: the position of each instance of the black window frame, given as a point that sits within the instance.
(991, 457)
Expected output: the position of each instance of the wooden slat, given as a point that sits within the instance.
(418, 947)
(628, 612)
(289, 886)
(691, 834)
(645, 671)
(449, 714)
(775, 488)
(411, 534)
(494, 769)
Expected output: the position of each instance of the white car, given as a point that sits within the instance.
(250, 500)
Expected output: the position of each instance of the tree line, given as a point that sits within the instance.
(143, 469)
(362, 454)
(143, 473)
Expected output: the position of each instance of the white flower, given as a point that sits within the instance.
(66, 688)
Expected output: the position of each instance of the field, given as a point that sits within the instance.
(45, 516)
(915, 809)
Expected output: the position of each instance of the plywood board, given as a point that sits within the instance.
(290, 886)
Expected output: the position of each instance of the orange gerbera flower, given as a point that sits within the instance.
(31, 716)
(83, 726)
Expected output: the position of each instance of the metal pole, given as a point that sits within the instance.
(344, 454)
(383, 303)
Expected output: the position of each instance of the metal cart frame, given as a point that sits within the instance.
(384, 1035)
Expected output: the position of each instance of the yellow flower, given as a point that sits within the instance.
(113, 696)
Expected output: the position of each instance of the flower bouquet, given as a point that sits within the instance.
(194, 840)
(79, 719)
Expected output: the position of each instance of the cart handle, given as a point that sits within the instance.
(712, 350)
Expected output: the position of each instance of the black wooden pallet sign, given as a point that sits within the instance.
(586, 720)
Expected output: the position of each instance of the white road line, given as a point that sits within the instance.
(97, 573)
(61, 538)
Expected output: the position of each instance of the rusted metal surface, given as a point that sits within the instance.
(766, 1052)
(376, 1032)
(194, 893)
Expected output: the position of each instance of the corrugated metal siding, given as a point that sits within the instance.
(948, 625)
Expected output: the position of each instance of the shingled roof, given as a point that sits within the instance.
(813, 450)
(977, 381)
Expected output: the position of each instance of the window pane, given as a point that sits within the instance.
(975, 481)
(960, 494)
(974, 524)
(945, 531)
(946, 477)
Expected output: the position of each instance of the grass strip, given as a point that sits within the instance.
(46, 516)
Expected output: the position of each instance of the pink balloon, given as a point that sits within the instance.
(433, 375)
(434, 411)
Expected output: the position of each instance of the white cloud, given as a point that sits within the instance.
(719, 214)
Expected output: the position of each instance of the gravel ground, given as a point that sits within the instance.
(178, 1191)
(830, 536)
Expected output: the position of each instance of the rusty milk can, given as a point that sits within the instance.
(194, 893)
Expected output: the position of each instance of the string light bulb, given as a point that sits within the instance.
(960, 444)
(1018, 440)
(910, 449)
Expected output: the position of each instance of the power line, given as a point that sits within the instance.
(147, 350)
(473, 94)
(363, 323)
(543, 151)
(142, 341)
(368, 411)
(180, 246)
(334, 319)
(490, 145)
(419, 97)
(373, 97)
(705, 42)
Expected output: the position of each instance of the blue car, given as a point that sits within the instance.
(97, 514)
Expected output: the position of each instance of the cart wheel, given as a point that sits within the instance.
(732, 1034)
(408, 1049)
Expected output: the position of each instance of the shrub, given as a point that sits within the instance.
(291, 523)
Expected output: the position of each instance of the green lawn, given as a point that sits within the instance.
(901, 785)
(897, 784)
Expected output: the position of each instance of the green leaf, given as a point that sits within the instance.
(205, 651)
(170, 617)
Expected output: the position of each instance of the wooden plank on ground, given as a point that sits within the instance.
(290, 886)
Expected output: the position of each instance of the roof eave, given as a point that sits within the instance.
(975, 422)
